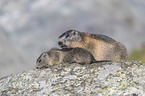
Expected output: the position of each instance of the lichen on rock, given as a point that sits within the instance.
(112, 78)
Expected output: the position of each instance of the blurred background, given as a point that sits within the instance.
(30, 27)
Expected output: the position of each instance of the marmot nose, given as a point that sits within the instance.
(60, 43)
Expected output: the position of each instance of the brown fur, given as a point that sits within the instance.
(102, 47)
(67, 55)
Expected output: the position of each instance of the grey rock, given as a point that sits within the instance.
(112, 78)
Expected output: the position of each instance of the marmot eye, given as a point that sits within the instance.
(67, 35)
(39, 61)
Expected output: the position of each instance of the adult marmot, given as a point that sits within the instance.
(67, 55)
(102, 47)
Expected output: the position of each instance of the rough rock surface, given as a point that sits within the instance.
(113, 78)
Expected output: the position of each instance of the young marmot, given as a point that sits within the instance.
(67, 55)
(102, 47)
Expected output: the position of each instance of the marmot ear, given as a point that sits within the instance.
(45, 55)
(75, 35)
(75, 32)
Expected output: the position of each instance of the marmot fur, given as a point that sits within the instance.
(102, 47)
(67, 55)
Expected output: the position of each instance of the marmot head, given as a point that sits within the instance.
(48, 58)
(69, 39)
(42, 61)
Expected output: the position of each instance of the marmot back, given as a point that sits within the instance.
(66, 55)
(102, 47)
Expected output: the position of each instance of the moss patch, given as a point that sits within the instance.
(138, 54)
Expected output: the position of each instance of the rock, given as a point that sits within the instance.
(112, 78)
